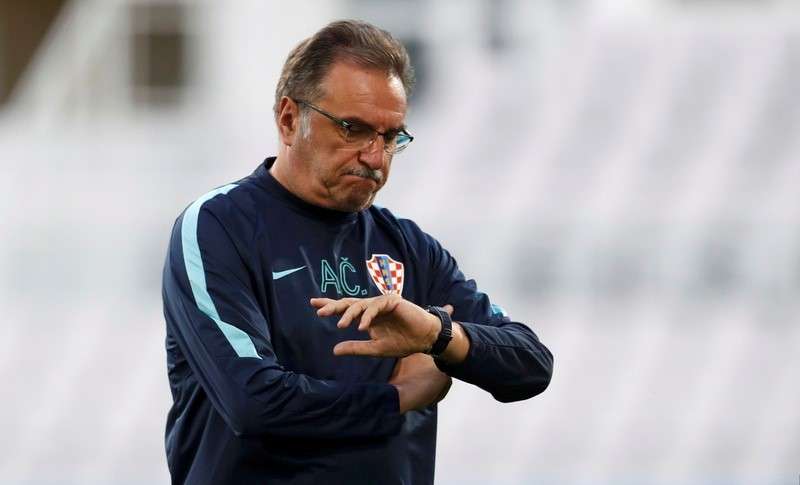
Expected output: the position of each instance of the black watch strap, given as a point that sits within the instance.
(445, 335)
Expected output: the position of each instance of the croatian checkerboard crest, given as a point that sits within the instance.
(386, 273)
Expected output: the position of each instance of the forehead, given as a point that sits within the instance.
(365, 93)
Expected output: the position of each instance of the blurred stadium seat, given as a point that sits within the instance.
(636, 163)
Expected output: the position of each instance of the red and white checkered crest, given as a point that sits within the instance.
(386, 273)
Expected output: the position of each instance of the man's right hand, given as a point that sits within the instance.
(419, 382)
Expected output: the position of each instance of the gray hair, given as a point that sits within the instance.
(352, 40)
(305, 124)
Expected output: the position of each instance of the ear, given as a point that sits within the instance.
(288, 120)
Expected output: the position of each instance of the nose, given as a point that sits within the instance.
(372, 154)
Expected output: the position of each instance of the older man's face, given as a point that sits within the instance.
(343, 177)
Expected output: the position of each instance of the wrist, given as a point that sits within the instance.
(435, 327)
(458, 349)
(445, 334)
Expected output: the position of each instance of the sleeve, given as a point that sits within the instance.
(505, 357)
(211, 308)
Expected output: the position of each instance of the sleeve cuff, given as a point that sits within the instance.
(464, 367)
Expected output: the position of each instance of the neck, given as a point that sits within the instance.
(281, 171)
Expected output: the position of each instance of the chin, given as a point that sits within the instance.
(356, 204)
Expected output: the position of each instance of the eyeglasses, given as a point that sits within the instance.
(360, 135)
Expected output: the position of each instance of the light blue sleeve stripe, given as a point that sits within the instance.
(498, 310)
(238, 339)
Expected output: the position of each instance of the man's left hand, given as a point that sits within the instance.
(419, 382)
(396, 327)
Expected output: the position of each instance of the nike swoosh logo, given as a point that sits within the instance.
(276, 275)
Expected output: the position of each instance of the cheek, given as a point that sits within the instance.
(387, 167)
(330, 167)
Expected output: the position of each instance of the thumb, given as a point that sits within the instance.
(355, 347)
(449, 309)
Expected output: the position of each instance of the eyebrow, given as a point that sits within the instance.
(356, 119)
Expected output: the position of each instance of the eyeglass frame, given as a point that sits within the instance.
(346, 125)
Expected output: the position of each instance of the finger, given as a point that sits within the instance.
(333, 307)
(449, 309)
(352, 313)
(374, 309)
(330, 308)
(357, 347)
(320, 302)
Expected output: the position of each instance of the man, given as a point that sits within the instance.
(301, 346)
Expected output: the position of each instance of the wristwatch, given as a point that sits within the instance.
(445, 335)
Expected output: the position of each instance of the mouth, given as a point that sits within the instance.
(375, 176)
(361, 179)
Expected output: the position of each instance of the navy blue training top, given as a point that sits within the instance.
(258, 396)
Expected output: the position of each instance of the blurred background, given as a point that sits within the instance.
(620, 175)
